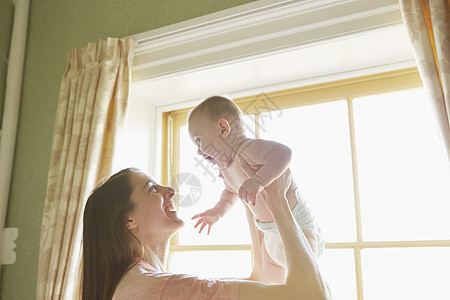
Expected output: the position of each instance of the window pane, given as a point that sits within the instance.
(213, 264)
(249, 125)
(403, 173)
(231, 229)
(319, 138)
(338, 268)
(413, 274)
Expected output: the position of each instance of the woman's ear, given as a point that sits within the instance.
(225, 128)
(131, 224)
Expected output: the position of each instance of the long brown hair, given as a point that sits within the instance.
(108, 251)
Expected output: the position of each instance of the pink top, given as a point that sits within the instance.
(144, 282)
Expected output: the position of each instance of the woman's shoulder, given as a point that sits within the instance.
(142, 281)
(145, 282)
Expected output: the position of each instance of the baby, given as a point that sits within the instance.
(216, 127)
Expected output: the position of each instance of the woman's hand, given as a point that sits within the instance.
(277, 190)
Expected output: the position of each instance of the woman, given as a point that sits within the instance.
(128, 222)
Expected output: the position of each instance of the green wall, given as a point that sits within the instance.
(55, 27)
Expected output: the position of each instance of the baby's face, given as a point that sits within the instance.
(206, 135)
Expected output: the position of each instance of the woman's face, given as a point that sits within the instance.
(153, 213)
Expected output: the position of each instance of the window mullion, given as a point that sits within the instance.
(389, 244)
(351, 120)
(358, 271)
(174, 150)
(359, 235)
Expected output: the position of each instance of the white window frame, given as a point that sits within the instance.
(178, 65)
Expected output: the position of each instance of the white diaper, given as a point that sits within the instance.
(305, 219)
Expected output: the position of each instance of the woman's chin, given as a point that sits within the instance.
(173, 218)
(178, 225)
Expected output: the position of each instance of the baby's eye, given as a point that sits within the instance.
(197, 140)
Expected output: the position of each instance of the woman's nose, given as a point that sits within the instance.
(170, 192)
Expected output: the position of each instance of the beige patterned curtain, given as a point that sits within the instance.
(91, 112)
(428, 25)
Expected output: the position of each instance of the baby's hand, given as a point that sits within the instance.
(208, 217)
(249, 190)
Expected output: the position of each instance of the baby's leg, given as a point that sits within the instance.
(257, 236)
(264, 268)
(305, 219)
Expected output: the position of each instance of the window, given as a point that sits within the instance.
(198, 189)
(369, 158)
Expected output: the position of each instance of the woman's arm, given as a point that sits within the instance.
(304, 280)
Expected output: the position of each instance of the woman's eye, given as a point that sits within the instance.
(152, 188)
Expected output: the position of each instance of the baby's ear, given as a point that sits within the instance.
(224, 127)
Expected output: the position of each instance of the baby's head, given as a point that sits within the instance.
(215, 108)
(214, 126)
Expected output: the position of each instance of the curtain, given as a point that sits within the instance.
(428, 26)
(91, 111)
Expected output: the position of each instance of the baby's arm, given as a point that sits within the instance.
(212, 215)
(274, 159)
